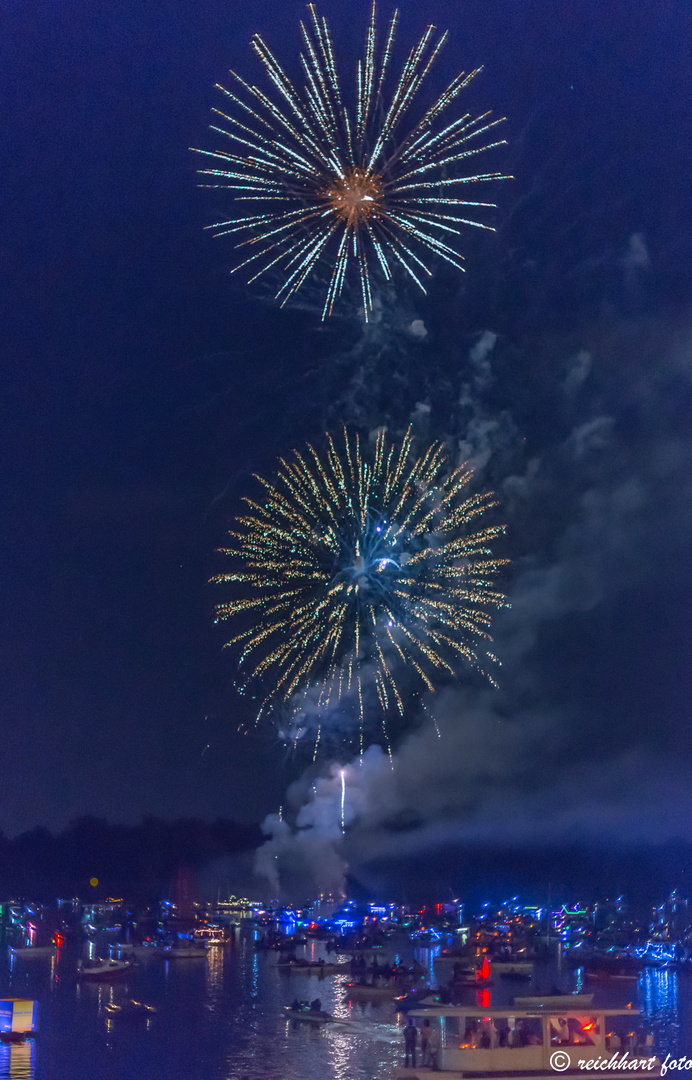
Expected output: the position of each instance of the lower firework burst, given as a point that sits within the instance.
(359, 579)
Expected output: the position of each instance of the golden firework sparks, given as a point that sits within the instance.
(353, 567)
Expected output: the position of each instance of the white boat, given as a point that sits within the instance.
(565, 1038)
(102, 969)
(33, 952)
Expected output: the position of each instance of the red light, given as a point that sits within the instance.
(484, 972)
(589, 1027)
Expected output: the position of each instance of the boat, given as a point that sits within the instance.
(512, 967)
(510, 1040)
(306, 1014)
(548, 1001)
(370, 992)
(210, 935)
(137, 951)
(184, 952)
(130, 1010)
(425, 939)
(314, 967)
(102, 969)
(33, 952)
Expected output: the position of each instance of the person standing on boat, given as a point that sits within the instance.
(434, 1048)
(410, 1040)
(425, 1033)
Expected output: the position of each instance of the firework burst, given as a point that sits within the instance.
(360, 187)
(356, 575)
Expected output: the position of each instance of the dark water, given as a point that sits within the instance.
(220, 1017)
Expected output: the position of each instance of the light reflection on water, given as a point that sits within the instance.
(658, 996)
(223, 1019)
(17, 1062)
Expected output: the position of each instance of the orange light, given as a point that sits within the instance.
(589, 1027)
(355, 196)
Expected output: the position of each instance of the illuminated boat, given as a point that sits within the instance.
(209, 935)
(553, 1035)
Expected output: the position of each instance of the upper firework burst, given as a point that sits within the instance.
(361, 186)
(356, 576)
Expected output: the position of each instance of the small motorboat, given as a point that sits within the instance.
(102, 969)
(185, 952)
(130, 1010)
(306, 1014)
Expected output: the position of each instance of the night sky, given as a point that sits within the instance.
(142, 386)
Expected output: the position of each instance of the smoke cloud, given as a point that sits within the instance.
(599, 507)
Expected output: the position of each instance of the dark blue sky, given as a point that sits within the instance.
(141, 384)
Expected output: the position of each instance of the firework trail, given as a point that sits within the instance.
(361, 187)
(359, 581)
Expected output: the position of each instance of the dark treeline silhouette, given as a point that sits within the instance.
(138, 862)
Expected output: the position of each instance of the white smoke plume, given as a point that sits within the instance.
(599, 509)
